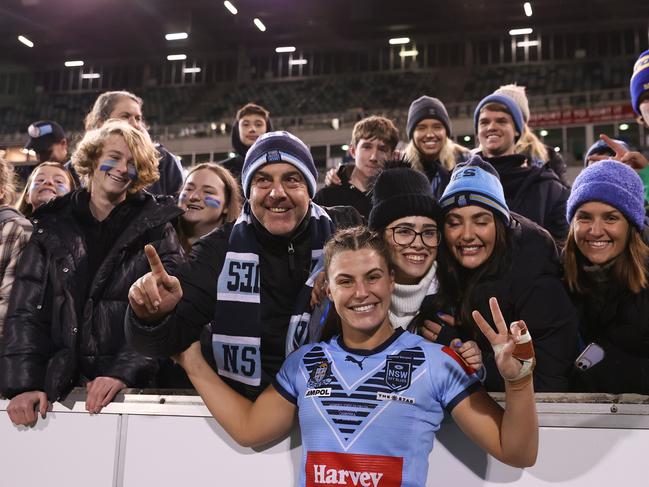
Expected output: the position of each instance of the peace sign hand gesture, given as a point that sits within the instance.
(513, 349)
(155, 294)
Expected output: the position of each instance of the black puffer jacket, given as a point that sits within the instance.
(65, 326)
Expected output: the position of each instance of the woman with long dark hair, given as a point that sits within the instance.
(488, 251)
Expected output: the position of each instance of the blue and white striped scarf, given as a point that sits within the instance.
(236, 330)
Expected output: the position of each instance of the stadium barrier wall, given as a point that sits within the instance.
(150, 439)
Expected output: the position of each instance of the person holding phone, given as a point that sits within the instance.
(606, 266)
(369, 398)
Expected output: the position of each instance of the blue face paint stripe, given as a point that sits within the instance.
(212, 202)
(109, 164)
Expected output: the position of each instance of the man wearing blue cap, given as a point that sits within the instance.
(251, 279)
(534, 192)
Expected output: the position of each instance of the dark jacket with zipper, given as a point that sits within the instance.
(65, 321)
(618, 321)
(536, 193)
(285, 262)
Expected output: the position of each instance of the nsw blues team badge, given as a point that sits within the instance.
(398, 373)
(319, 378)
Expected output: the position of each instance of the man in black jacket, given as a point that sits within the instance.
(534, 192)
(251, 280)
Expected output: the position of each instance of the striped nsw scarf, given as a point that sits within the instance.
(236, 346)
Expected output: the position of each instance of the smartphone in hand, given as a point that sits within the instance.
(592, 354)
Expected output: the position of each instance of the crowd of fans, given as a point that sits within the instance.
(110, 263)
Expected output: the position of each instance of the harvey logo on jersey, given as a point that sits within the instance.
(329, 468)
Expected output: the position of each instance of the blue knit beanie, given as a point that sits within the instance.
(274, 147)
(475, 182)
(601, 147)
(512, 108)
(639, 80)
(613, 183)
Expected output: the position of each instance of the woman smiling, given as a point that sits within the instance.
(606, 270)
(489, 251)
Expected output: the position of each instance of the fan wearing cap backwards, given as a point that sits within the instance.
(534, 192)
(250, 279)
(47, 139)
(488, 251)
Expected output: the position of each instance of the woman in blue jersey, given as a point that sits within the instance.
(367, 397)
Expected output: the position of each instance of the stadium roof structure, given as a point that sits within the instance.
(121, 29)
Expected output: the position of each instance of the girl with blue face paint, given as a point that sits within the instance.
(47, 181)
(210, 197)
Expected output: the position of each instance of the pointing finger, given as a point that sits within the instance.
(154, 260)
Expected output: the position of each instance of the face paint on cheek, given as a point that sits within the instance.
(108, 164)
(62, 188)
(34, 185)
(212, 202)
(183, 196)
(131, 171)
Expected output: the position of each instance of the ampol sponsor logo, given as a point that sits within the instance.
(322, 392)
(329, 468)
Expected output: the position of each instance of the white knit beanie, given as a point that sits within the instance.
(516, 93)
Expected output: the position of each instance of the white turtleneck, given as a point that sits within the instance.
(407, 298)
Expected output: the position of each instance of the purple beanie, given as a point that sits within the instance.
(613, 183)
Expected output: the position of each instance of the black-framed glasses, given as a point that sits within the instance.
(406, 236)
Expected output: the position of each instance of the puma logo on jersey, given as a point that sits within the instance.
(349, 358)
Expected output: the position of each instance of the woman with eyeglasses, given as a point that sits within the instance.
(488, 251)
(405, 212)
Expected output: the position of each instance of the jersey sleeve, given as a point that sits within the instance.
(453, 379)
(286, 379)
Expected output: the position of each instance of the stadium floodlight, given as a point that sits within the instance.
(73, 64)
(467, 138)
(527, 6)
(624, 126)
(527, 43)
(344, 147)
(176, 36)
(91, 75)
(233, 10)
(176, 57)
(285, 49)
(544, 133)
(519, 32)
(395, 41)
(26, 41)
(260, 25)
(410, 53)
(191, 70)
(297, 62)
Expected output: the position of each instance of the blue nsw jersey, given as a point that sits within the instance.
(368, 417)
